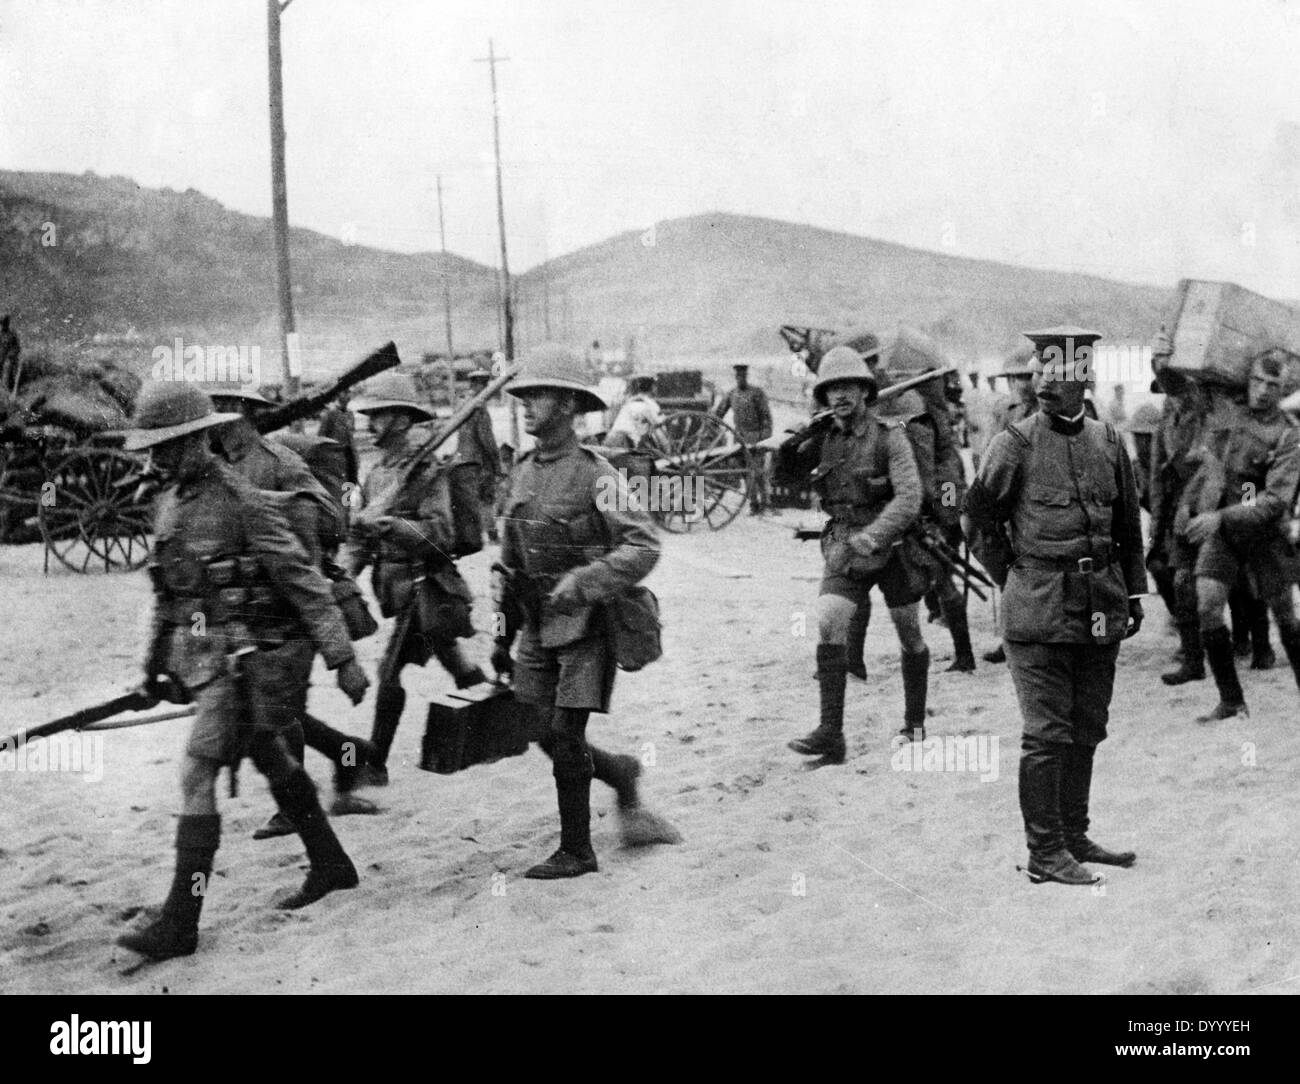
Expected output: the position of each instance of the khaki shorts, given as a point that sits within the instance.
(895, 584)
(579, 675)
(1268, 562)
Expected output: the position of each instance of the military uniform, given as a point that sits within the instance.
(239, 612)
(751, 417)
(573, 541)
(477, 444)
(1054, 517)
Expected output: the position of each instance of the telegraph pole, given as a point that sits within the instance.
(280, 194)
(446, 299)
(507, 304)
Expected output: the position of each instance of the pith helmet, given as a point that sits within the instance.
(843, 363)
(553, 366)
(864, 342)
(170, 409)
(234, 389)
(392, 391)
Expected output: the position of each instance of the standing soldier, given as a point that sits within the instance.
(315, 518)
(408, 536)
(239, 613)
(752, 420)
(1054, 517)
(337, 424)
(477, 444)
(867, 480)
(573, 538)
(1256, 461)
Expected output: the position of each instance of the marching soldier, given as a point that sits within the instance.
(572, 539)
(239, 612)
(1053, 515)
(409, 539)
(1251, 463)
(867, 479)
(315, 517)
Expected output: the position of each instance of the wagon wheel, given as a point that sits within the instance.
(701, 474)
(94, 510)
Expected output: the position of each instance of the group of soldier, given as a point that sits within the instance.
(257, 553)
(254, 569)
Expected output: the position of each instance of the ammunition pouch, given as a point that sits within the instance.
(633, 619)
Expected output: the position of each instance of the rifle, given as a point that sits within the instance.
(304, 407)
(86, 717)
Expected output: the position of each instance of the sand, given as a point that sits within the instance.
(858, 878)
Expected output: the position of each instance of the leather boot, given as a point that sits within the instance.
(176, 931)
(963, 658)
(637, 826)
(330, 866)
(827, 741)
(1290, 637)
(352, 759)
(1041, 767)
(1262, 656)
(573, 795)
(1076, 784)
(916, 681)
(1239, 613)
(389, 702)
(1223, 665)
(855, 647)
(1192, 665)
(996, 655)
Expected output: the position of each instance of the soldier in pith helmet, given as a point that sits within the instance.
(239, 612)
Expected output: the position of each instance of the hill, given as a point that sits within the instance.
(722, 284)
(140, 266)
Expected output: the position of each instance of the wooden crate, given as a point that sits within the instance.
(1219, 327)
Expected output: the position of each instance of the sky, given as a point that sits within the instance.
(1145, 141)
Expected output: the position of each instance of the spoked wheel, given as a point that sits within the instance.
(701, 475)
(94, 511)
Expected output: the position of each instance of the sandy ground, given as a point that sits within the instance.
(859, 878)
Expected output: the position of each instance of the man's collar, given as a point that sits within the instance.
(1067, 426)
(547, 455)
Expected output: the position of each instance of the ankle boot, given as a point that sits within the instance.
(573, 795)
(916, 681)
(619, 771)
(856, 643)
(176, 931)
(463, 672)
(1192, 665)
(1290, 636)
(827, 741)
(389, 702)
(1223, 665)
(963, 658)
(1076, 786)
(330, 866)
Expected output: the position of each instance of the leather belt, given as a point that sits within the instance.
(1064, 564)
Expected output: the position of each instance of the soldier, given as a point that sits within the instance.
(637, 416)
(477, 444)
(752, 419)
(238, 608)
(1252, 465)
(408, 537)
(867, 479)
(1171, 559)
(338, 424)
(572, 538)
(1053, 516)
(315, 517)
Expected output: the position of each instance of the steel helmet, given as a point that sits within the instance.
(392, 391)
(843, 363)
(170, 409)
(557, 367)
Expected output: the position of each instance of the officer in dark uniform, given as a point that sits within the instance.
(405, 530)
(1054, 517)
(572, 538)
(1255, 456)
(337, 424)
(315, 517)
(477, 444)
(867, 480)
(240, 612)
(752, 419)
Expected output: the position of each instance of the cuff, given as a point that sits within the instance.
(335, 655)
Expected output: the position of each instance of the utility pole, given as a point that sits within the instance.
(280, 196)
(446, 299)
(507, 302)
